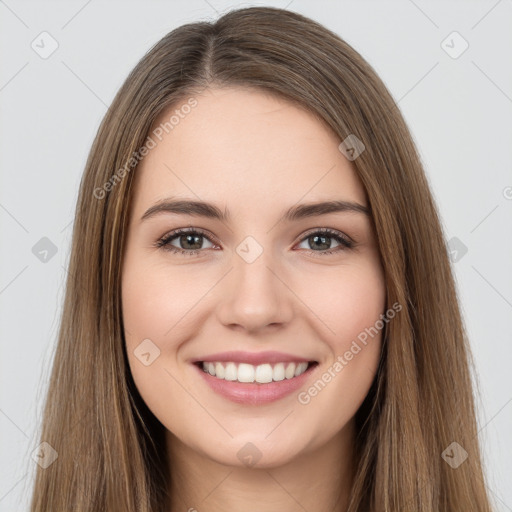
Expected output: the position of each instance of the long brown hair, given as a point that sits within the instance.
(111, 451)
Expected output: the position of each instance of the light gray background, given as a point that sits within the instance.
(458, 109)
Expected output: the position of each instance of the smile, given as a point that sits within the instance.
(256, 384)
(261, 374)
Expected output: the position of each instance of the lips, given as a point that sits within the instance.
(254, 358)
(254, 378)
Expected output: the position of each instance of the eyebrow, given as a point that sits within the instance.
(209, 210)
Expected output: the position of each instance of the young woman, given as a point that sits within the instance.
(260, 312)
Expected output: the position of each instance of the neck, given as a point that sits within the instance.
(318, 480)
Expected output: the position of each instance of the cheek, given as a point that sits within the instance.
(152, 303)
(345, 300)
(159, 304)
(156, 298)
(352, 310)
(149, 307)
(356, 310)
(147, 302)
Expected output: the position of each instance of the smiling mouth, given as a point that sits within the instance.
(259, 374)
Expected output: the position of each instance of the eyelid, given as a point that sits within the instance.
(191, 229)
(345, 243)
(327, 231)
(164, 240)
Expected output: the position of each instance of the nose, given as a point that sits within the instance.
(255, 296)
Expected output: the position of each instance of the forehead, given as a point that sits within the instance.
(244, 148)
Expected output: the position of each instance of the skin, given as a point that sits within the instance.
(256, 155)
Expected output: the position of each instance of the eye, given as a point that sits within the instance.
(189, 240)
(320, 238)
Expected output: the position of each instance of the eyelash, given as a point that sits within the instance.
(164, 242)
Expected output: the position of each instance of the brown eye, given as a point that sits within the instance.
(189, 241)
(320, 241)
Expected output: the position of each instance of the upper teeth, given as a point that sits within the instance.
(262, 373)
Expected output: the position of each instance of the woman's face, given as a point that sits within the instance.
(250, 290)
